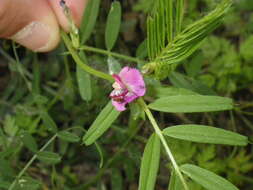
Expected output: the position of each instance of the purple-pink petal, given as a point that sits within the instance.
(120, 106)
(128, 86)
(118, 80)
(130, 97)
(133, 80)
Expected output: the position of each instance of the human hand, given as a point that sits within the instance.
(35, 23)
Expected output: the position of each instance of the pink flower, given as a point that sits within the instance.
(128, 86)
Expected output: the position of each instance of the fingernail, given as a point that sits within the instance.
(34, 36)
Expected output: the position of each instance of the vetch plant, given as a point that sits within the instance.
(168, 43)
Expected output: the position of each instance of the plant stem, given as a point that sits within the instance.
(20, 68)
(30, 162)
(109, 53)
(79, 62)
(7, 56)
(160, 135)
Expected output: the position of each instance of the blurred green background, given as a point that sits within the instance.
(38, 82)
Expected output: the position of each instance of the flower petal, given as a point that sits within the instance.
(118, 80)
(133, 79)
(120, 106)
(130, 97)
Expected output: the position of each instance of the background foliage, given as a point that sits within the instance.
(40, 95)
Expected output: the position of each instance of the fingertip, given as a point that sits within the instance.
(31, 24)
(38, 35)
(53, 38)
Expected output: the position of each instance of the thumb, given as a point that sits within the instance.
(29, 23)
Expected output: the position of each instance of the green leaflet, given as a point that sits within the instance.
(5, 168)
(48, 121)
(104, 120)
(49, 157)
(205, 134)
(141, 51)
(67, 136)
(193, 67)
(191, 103)
(29, 141)
(116, 179)
(10, 126)
(245, 49)
(172, 91)
(83, 80)
(113, 25)
(179, 15)
(4, 184)
(89, 19)
(28, 183)
(207, 179)
(150, 163)
(39, 99)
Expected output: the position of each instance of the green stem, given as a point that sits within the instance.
(160, 135)
(109, 53)
(19, 67)
(79, 62)
(245, 120)
(246, 105)
(244, 112)
(7, 56)
(21, 173)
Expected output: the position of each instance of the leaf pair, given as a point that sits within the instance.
(52, 157)
(46, 156)
(112, 24)
(195, 133)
